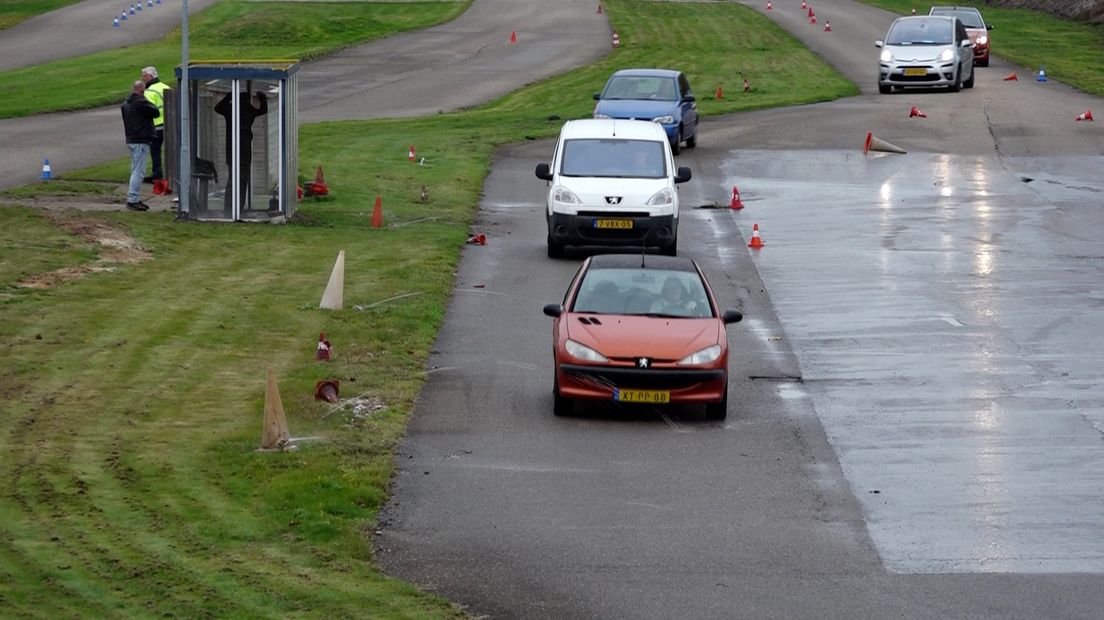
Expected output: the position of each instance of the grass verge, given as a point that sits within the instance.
(303, 30)
(1072, 52)
(13, 12)
(133, 396)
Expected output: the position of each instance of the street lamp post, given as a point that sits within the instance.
(185, 180)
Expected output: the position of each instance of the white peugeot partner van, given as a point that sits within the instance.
(612, 182)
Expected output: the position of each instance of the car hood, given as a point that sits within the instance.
(642, 109)
(917, 53)
(620, 336)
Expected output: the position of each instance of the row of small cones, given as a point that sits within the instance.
(134, 10)
(1085, 116)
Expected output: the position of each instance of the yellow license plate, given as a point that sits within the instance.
(916, 72)
(613, 223)
(655, 397)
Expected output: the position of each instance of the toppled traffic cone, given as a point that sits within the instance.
(275, 434)
(915, 112)
(616, 41)
(719, 94)
(478, 239)
(756, 240)
(1087, 116)
(161, 187)
(334, 296)
(747, 85)
(876, 144)
(736, 202)
(47, 173)
(324, 351)
(377, 213)
(827, 25)
(410, 154)
(1011, 77)
(513, 36)
(326, 389)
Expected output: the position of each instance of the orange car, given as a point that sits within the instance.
(637, 328)
(975, 27)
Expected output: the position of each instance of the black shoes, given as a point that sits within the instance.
(137, 206)
(151, 179)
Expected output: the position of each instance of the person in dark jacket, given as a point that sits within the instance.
(138, 115)
(247, 114)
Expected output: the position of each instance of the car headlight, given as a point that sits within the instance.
(982, 40)
(947, 56)
(705, 356)
(597, 115)
(564, 195)
(664, 120)
(887, 56)
(583, 352)
(663, 197)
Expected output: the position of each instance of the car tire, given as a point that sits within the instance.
(983, 63)
(970, 82)
(675, 146)
(885, 89)
(561, 405)
(671, 249)
(692, 141)
(555, 250)
(718, 410)
(957, 86)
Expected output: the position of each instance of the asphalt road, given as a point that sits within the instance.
(916, 423)
(466, 62)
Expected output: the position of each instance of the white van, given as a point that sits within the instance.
(612, 182)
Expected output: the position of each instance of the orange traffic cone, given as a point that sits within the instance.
(318, 187)
(326, 389)
(736, 202)
(769, 7)
(756, 240)
(377, 213)
(410, 154)
(616, 41)
(915, 111)
(827, 25)
(513, 36)
(1087, 116)
(803, 5)
(719, 94)
(811, 13)
(747, 85)
(1011, 77)
(325, 351)
(599, 11)
(161, 187)
(812, 20)
(478, 239)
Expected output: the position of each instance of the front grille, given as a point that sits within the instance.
(651, 378)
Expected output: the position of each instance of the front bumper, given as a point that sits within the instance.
(686, 385)
(581, 229)
(941, 74)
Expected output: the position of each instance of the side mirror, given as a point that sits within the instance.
(553, 310)
(543, 172)
(690, 98)
(989, 26)
(879, 43)
(683, 175)
(729, 316)
(597, 96)
(967, 43)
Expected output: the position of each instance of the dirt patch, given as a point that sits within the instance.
(115, 246)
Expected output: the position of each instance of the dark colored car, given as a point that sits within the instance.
(637, 328)
(975, 27)
(659, 95)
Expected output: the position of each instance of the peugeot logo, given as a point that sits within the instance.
(613, 200)
(643, 362)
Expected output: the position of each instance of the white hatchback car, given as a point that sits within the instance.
(924, 51)
(612, 182)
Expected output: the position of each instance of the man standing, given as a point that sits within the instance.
(138, 115)
(155, 92)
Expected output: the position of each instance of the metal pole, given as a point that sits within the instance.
(185, 180)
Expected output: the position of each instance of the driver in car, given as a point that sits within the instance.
(673, 299)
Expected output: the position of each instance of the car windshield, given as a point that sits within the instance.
(921, 32)
(641, 87)
(637, 159)
(970, 18)
(643, 292)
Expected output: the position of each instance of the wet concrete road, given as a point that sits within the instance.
(917, 425)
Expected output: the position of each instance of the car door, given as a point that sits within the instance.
(965, 54)
(689, 108)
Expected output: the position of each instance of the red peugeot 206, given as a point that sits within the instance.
(640, 329)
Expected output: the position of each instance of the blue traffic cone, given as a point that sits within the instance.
(132, 9)
(157, 2)
(139, 5)
(1042, 75)
(123, 16)
(115, 23)
(150, 3)
(46, 174)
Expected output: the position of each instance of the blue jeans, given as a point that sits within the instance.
(138, 153)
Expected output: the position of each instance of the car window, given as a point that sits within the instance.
(921, 32)
(641, 87)
(637, 159)
(679, 294)
(971, 18)
(684, 86)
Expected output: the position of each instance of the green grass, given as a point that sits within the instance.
(133, 398)
(1072, 52)
(260, 30)
(14, 11)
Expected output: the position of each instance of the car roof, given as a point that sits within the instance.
(647, 73)
(651, 261)
(598, 128)
(955, 8)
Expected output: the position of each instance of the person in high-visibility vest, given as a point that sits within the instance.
(155, 92)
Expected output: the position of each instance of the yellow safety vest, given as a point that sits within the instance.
(155, 93)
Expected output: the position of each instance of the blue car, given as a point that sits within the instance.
(658, 95)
